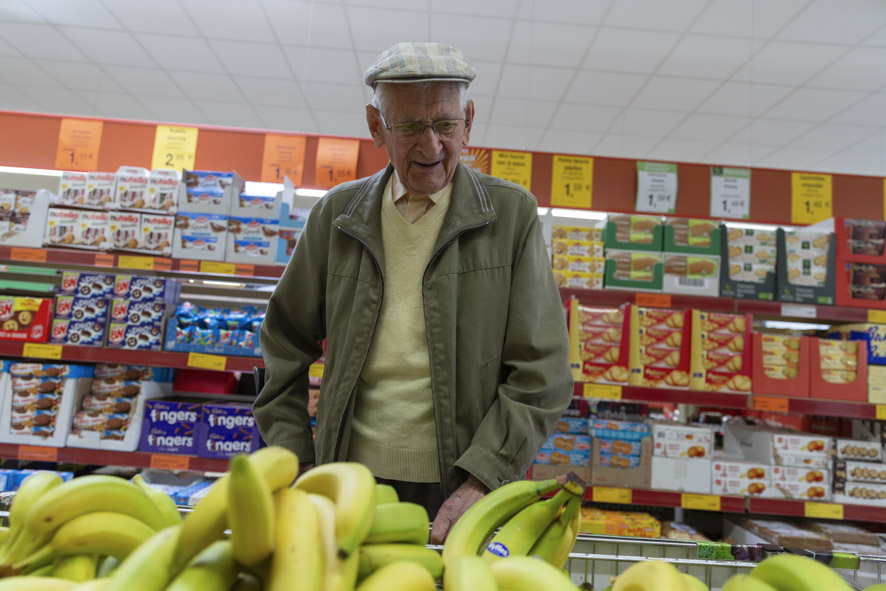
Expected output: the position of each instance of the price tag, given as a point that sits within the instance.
(104, 260)
(204, 361)
(513, 166)
(42, 351)
(607, 391)
(701, 502)
(30, 255)
(811, 197)
(881, 412)
(653, 300)
(798, 311)
(572, 180)
(161, 264)
(125, 261)
(189, 265)
(730, 193)
(336, 161)
(37, 454)
(170, 462)
(877, 316)
(78, 144)
(477, 158)
(218, 268)
(604, 494)
(823, 510)
(656, 187)
(770, 403)
(244, 270)
(284, 155)
(316, 370)
(174, 147)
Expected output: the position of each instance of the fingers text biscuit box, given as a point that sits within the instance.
(226, 429)
(169, 426)
(659, 347)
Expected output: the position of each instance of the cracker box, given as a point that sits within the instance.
(578, 279)
(580, 233)
(157, 233)
(83, 333)
(598, 344)
(80, 308)
(100, 188)
(25, 319)
(737, 469)
(132, 187)
(226, 429)
(163, 188)
(682, 441)
(135, 312)
(721, 353)
(143, 337)
(579, 264)
(169, 426)
(87, 284)
(62, 226)
(72, 188)
(659, 347)
(200, 236)
(850, 449)
(125, 230)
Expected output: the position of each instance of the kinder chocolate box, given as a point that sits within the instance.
(226, 429)
(87, 284)
(125, 229)
(163, 189)
(100, 189)
(169, 426)
(72, 188)
(147, 337)
(137, 312)
(85, 333)
(80, 308)
(132, 187)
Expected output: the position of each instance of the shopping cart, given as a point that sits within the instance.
(596, 559)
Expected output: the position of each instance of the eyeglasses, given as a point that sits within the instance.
(412, 130)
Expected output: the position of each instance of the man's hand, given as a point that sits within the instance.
(466, 495)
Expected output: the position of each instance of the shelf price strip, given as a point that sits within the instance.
(37, 454)
(204, 361)
(823, 510)
(30, 255)
(701, 502)
(606, 391)
(770, 403)
(170, 462)
(604, 494)
(881, 412)
(42, 351)
(135, 262)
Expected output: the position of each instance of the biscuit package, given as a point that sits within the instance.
(633, 232)
(633, 270)
(577, 233)
(682, 441)
(721, 352)
(749, 262)
(619, 523)
(598, 351)
(565, 449)
(690, 235)
(578, 279)
(659, 347)
(200, 236)
(25, 319)
(850, 449)
(860, 493)
(580, 264)
(693, 275)
(849, 471)
(580, 248)
(806, 263)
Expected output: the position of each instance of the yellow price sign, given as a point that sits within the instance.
(811, 197)
(42, 351)
(204, 361)
(125, 261)
(700, 502)
(823, 510)
(174, 147)
(605, 494)
(513, 166)
(877, 316)
(881, 412)
(572, 181)
(607, 391)
(316, 370)
(218, 268)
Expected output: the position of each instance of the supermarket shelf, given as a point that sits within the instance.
(797, 508)
(666, 395)
(99, 457)
(665, 498)
(126, 357)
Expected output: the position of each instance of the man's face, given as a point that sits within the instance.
(425, 164)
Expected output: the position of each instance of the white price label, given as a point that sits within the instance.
(656, 187)
(798, 311)
(730, 193)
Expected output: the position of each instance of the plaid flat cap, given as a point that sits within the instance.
(418, 62)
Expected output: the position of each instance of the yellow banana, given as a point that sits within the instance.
(792, 572)
(77, 567)
(339, 575)
(351, 487)
(32, 488)
(297, 560)
(206, 523)
(250, 513)
(519, 534)
(521, 573)
(567, 542)
(637, 576)
(93, 585)
(149, 567)
(376, 556)
(214, 568)
(385, 493)
(469, 573)
(407, 523)
(475, 526)
(36, 584)
(693, 584)
(164, 502)
(398, 576)
(742, 582)
(247, 582)
(106, 567)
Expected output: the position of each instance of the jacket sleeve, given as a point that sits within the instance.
(291, 337)
(537, 381)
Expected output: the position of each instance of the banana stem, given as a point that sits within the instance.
(41, 557)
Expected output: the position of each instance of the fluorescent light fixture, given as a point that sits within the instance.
(543, 210)
(262, 189)
(783, 325)
(578, 213)
(40, 171)
(749, 226)
(310, 192)
(222, 283)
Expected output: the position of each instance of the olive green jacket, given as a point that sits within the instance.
(496, 328)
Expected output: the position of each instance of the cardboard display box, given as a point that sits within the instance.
(781, 376)
(806, 267)
(720, 355)
(748, 266)
(660, 342)
(681, 474)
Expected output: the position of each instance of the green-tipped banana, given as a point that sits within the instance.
(250, 513)
(36, 584)
(405, 523)
(297, 561)
(32, 488)
(876, 587)
(399, 576)
(149, 567)
(558, 539)
(469, 573)
(637, 576)
(351, 487)
(339, 575)
(693, 584)
(521, 573)
(792, 572)
(214, 568)
(742, 582)
(523, 530)
(163, 501)
(376, 556)
(483, 517)
(78, 568)
(385, 493)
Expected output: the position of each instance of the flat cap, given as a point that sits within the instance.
(420, 62)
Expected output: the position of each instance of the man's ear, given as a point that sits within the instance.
(373, 120)
(469, 122)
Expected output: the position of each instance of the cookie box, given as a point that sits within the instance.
(143, 337)
(163, 188)
(137, 312)
(72, 188)
(49, 426)
(681, 441)
(87, 284)
(226, 429)
(577, 233)
(860, 493)
(139, 289)
(83, 333)
(81, 309)
(579, 264)
(201, 236)
(25, 319)
(850, 449)
(735, 469)
(169, 425)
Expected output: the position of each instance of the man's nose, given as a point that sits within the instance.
(429, 143)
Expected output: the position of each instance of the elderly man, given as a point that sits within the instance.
(446, 360)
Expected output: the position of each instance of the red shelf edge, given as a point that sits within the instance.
(103, 457)
(669, 498)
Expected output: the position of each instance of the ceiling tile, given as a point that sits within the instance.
(788, 63)
(772, 132)
(534, 82)
(813, 104)
(462, 32)
(287, 119)
(173, 110)
(795, 158)
(40, 42)
(8, 50)
(846, 21)
(323, 65)
(181, 53)
(338, 123)
(569, 142)
(335, 97)
(624, 146)
(17, 71)
(230, 114)
(18, 11)
(75, 13)
(252, 59)
(703, 56)
(60, 102)
(502, 9)
(512, 137)
(729, 155)
(509, 111)
(865, 163)
(868, 111)
(157, 16)
(271, 91)
(878, 39)
(564, 11)
(754, 18)
(401, 4)
(680, 150)
(487, 78)
(680, 94)
(376, 29)
(207, 86)
(644, 122)
(81, 76)
(716, 128)
(122, 106)
(735, 98)
(626, 50)
(109, 47)
(548, 44)
(860, 69)
(584, 117)
(145, 81)
(604, 88)
(309, 23)
(675, 15)
(833, 137)
(15, 100)
(240, 20)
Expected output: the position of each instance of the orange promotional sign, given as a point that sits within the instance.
(284, 155)
(480, 159)
(78, 144)
(336, 161)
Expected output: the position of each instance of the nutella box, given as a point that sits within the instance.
(200, 236)
(62, 226)
(94, 230)
(163, 187)
(87, 284)
(226, 429)
(138, 289)
(132, 187)
(72, 188)
(157, 233)
(100, 188)
(125, 229)
(169, 426)
(80, 308)
(85, 333)
(137, 312)
(142, 337)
